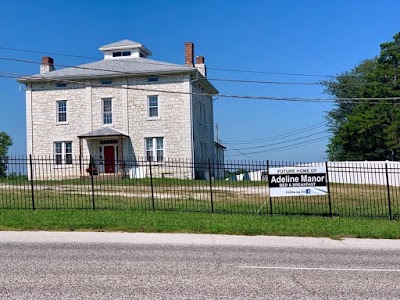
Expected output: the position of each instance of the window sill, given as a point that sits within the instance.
(63, 167)
(61, 123)
(153, 118)
(156, 163)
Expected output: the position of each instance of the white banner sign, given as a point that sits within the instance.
(297, 181)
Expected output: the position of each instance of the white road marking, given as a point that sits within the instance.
(319, 269)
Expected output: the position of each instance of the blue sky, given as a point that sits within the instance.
(303, 37)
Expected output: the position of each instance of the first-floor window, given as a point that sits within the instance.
(63, 153)
(155, 149)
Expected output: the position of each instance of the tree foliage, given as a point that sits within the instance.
(5, 143)
(367, 129)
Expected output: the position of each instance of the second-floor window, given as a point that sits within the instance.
(61, 111)
(153, 106)
(107, 111)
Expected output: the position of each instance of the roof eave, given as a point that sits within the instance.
(142, 47)
(206, 84)
(62, 78)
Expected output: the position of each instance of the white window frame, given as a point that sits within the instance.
(150, 107)
(63, 152)
(59, 112)
(154, 151)
(107, 114)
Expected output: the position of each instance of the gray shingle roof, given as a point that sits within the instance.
(102, 132)
(111, 67)
(122, 44)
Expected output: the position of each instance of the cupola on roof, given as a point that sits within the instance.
(124, 49)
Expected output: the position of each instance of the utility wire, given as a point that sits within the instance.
(292, 99)
(276, 137)
(288, 147)
(269, 98)
(50, 53)
(209, 68)
(218, 69)
(116, 72)
(279, 143)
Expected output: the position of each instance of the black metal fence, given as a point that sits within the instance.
(356, 189)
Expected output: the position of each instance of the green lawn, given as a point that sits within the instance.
(195, 196)
(148, 221)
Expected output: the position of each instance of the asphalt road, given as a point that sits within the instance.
(155, 266)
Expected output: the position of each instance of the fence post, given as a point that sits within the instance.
(210, 180)
(92, 182)
(32, 190)
(269, 191)
(151, 183)
(329, 190)
(388, 191)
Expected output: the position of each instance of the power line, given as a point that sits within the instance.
(209, 68)
(116, 72)
(244, 154)
(288, 147)
(279, 143)
(272, 73)
(46, 52)
(276, 137)
(269, 98)
(210, 79)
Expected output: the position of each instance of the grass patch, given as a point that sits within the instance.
(178, 222)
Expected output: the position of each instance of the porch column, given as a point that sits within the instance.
(80, 156)
(121, 156)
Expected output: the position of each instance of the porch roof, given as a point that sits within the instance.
(103, 132)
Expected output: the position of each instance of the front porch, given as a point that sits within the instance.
(106, 151)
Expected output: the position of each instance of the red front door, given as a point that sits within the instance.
(109, 159)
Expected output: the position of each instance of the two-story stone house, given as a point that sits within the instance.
(123, 108)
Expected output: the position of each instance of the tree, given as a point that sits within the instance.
(5, 143)
(367, 129)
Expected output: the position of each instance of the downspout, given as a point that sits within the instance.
(31, 96)
(191, 119)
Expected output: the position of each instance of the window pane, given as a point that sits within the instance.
(68, 153)
(68, 147)
(153, 112)
(62, 117)
(160, 149)
(107, 105)
(149, 144)
(58, 159)
(153, 106)
(107, 111)
(61, 111)
(160, 155)
(58, 148)
(149, 149)
(153, 101)
(160, 142)
(68, 159)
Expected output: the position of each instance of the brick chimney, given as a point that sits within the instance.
(189, 53)
(47, 65)
(200, 65)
